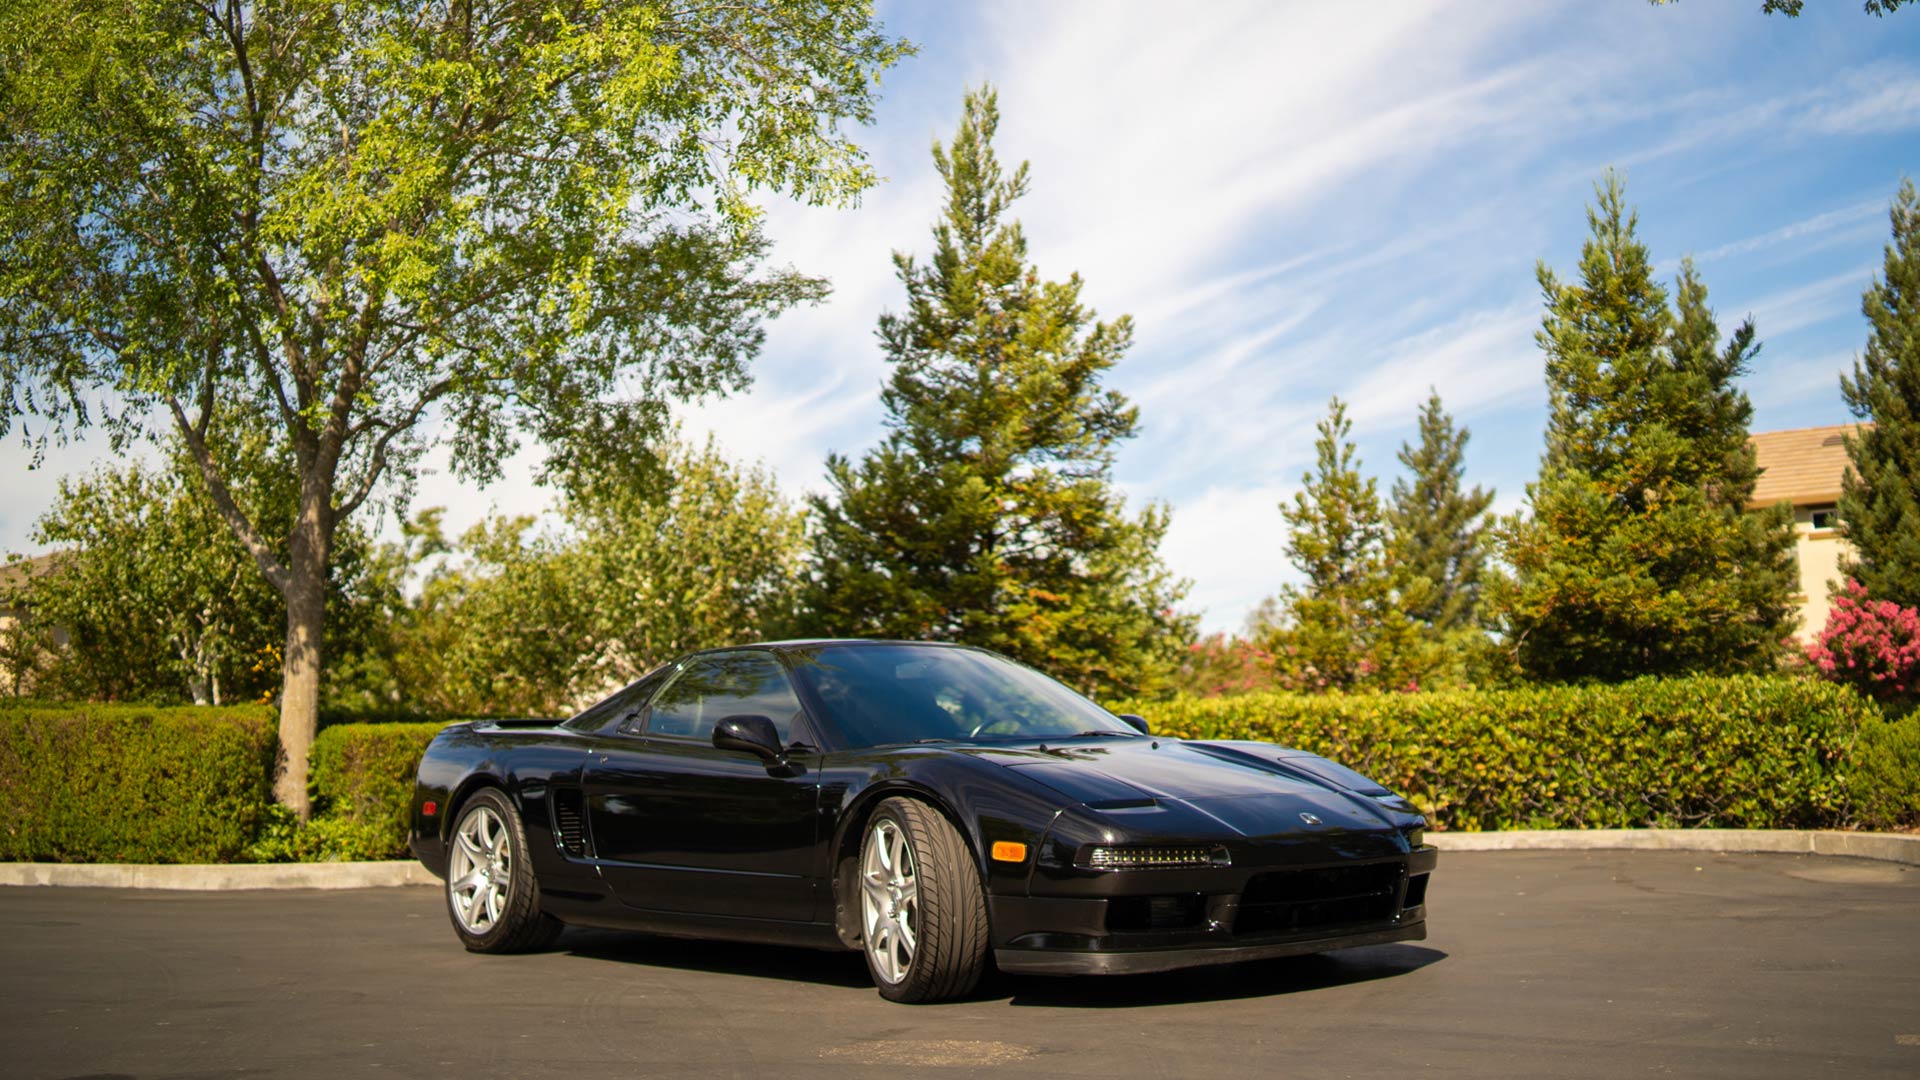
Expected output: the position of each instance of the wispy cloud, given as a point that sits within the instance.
(1481, 360)
(1820, 227)
(1831, 298)
(1237, 535)
(1777, 387)
(1883, 98)
(1296, 200)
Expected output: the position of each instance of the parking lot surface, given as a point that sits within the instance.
(1540, 964)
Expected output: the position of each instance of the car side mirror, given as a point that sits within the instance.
(753, 734)
(1138, 723)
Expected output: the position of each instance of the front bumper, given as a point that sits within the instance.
(1143, 961)
(1232, 919)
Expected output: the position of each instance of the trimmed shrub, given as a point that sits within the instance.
(1736, 752)
(363, 773)
(362, 782)
(127, 783)
(1883, 781)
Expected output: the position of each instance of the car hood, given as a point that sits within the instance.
(1238, 790)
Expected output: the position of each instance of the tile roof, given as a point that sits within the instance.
(18, 571)
(1802, 466)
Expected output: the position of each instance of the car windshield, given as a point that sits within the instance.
(886, 694)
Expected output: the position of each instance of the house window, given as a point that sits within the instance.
(1826, 517)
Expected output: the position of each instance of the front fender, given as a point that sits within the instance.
(988, 804)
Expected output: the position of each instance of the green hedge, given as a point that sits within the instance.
(363, 774)
(133, 784)
(1740, 752)
(124, 783)
(361, 780)
(1883, 778)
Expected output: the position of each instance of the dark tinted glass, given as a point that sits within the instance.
(622, 701)
(879, 695)
(711, 688)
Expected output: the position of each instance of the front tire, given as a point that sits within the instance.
(492, 897)
(923, 914)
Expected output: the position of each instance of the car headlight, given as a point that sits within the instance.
(1416, 836)
(1136, 857)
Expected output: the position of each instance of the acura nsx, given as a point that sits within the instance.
(936, 807)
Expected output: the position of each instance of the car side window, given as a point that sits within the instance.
(626, 701)
(711, 688)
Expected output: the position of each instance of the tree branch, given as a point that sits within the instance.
(236, 519)
(377, 456)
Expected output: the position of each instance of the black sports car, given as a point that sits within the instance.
(930, 805)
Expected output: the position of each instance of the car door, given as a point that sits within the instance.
(680, 826)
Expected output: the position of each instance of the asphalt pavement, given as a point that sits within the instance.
(1605, 964)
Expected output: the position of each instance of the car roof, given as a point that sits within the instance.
(815, 643)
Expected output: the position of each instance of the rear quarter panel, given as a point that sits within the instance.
(522, 762)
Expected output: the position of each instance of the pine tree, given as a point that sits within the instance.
(1880, 500)
(1349, 625)
(1438, 531)
(1639, 556)
(988, 514)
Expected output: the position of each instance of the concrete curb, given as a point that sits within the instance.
(340, 875)
(1888, 847)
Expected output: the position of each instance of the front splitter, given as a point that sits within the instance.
(1146, 961)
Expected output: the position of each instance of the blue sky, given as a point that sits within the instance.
(1298, 200)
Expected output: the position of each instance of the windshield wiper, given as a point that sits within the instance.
(1104, 735)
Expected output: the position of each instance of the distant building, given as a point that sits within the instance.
(1804, 467)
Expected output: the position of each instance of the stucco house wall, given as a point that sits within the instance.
(1804, 468)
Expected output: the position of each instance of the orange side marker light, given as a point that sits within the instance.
(1008, 851)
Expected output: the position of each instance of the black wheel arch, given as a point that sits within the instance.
(851, 828)
(468, 786)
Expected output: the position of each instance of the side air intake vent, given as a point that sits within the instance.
(568, 830)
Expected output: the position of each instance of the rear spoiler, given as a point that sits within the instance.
(498, 722)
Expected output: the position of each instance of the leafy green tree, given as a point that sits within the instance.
(1880, 499)
(988, 514)
(703, 554)
(157, 599)
(381, 224)
(1351, 624)
(1638, 556)
(1438, 531)
(27, 642)
(1792, 8)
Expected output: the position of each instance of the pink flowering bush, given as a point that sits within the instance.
(1870, 645)
(1219, 664)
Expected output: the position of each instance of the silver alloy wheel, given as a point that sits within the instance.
(889, 900)
(479, 870)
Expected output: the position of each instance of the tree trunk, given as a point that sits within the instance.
(306, 597)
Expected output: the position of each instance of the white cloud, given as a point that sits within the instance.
(1781, 313)
(1482, 360)
(1880, 99)
(1790, 384)
(1160, 145)
(1231, 542)
(1821, 228)
(1298, 199)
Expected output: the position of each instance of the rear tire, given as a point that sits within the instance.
(923, 913)
(492, 896)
